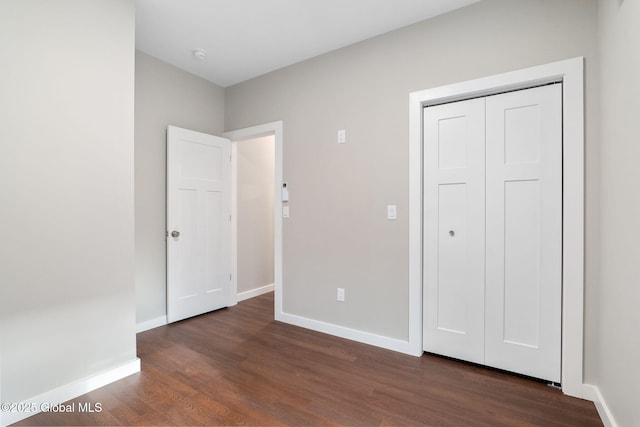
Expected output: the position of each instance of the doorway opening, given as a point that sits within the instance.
(273, 130)
(255, 163)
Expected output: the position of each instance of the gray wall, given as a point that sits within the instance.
(256, 159)
(66, 184)
(618, 317)
(164, 95)
(338, 235)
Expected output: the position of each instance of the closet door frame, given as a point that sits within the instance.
(571, 73)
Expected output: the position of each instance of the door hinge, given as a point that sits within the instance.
(229, 277)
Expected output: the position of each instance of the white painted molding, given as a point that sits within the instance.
(592, 392)
(151, 324)
(233, 292)
(71, 391)
(347, 333)
(255, 292)
(571, 73)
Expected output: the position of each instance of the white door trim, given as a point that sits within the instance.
(276, 129)
(570, 72)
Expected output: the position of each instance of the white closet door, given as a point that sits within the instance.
(524, 231)
(454, 230)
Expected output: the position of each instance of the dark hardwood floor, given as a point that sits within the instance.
(239, 367)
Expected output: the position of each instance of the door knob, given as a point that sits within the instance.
(175, 233)
(452, 233)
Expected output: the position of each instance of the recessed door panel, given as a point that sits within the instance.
(452, 281)
(216, 269)
(522, 134)
(452, 142)
(200, 161)
(188, 264)
(522, 262)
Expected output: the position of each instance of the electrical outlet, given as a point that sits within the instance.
(340, 296)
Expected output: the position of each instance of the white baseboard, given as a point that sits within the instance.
(592, 392)
(255, 292)
(348, 333)
(150, 324)
(162, 320)
(70, 391)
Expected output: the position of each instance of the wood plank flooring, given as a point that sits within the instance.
(239, 367)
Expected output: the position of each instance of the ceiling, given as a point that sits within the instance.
(247, 38)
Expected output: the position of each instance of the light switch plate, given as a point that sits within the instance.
(285, 212)
(391, 212)
(342, 136)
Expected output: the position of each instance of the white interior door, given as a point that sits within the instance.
(454, 230)
(198, 223)
(524, 232)
(493, 231)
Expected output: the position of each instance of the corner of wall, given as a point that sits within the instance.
(592, 393)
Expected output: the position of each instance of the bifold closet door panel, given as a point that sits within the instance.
(524, 231)
(454, 230)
